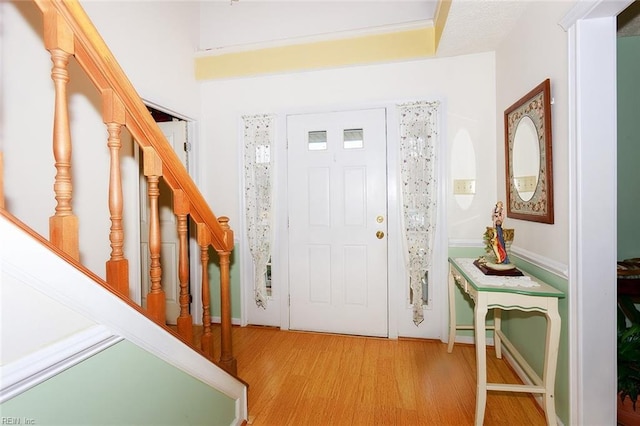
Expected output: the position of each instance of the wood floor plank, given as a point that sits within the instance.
(300, 378)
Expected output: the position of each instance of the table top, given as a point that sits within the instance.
(527, 284)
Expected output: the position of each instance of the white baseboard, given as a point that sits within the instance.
(33, 369)
(512, 362)
(525, 379)
(218, 320)
(470, 340)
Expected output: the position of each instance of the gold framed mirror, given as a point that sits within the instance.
(528, 156)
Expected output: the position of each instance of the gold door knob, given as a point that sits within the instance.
(380, 235)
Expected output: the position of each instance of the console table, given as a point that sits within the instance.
(506, 293)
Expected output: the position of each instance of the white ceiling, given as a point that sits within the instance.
(478, 26)
(227, 24)
(472, 26)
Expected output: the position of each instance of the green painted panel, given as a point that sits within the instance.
(628, 147)
(527, 331)
(122, 385)
(214, 283)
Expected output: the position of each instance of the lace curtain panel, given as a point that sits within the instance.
(418, 141)
(258, 140)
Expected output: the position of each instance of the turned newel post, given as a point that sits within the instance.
(156, 302)
(63, 225)
(204, 240)
(113, 115)
(181, 210)
(227, 360)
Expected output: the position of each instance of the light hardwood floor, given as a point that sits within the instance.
(299, 378)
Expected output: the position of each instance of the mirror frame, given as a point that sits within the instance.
(536, 105)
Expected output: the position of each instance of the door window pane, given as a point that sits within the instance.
(317, 140)
(353, 138)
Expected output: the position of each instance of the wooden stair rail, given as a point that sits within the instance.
(156, 299)
(184, 321)
(63, 225)
(117, 266)
(207, 337)
(226, 357)
(69, 32)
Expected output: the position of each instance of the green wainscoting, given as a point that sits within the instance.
(214, 283)
(628, 147)
(122, 385)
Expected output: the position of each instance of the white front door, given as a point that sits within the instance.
(337, 190)
(176, 133)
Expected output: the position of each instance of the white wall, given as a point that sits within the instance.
(466, 86)
(154, 42)
(32, 329)
(157, 55)
(28, 101)
(534, 51)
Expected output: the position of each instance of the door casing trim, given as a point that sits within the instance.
(280, 267)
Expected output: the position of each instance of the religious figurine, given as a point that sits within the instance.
(497, 239)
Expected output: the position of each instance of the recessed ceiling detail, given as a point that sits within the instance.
(381, 48)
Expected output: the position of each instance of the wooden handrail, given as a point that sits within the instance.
(96, 59)
(68, 32)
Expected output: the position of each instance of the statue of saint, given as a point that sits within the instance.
(497, 241)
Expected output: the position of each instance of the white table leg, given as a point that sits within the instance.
(480, 314)
(452, 312)
(551, 360)
(497, 322)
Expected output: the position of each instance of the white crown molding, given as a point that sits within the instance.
(338, 35)
(550, 265)
(587, 9)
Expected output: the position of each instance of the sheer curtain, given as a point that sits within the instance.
(258, 139)
(418, 141)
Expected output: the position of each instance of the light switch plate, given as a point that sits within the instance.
(464, 186)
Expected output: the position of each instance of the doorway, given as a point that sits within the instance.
(337, 186)
(175, 130)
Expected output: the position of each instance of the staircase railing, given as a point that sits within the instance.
(68, 32)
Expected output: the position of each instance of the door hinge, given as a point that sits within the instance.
(289, 300)
(187, 146)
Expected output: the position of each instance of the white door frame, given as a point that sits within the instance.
(195, 270)
(341, 307)
(277, 311)
(592, 78)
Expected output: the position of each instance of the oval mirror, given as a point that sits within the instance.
(526, 158)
